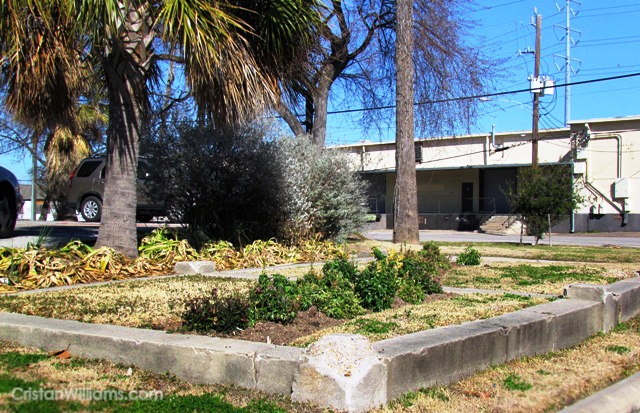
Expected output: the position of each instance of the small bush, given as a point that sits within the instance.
(340, 266)
(223, 315)
(332, 293)
(431, 253)
(421, 269)
(274, 299)
(470, 256)
(410, 291)
(376, 285)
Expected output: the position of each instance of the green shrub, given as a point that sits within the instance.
(223, 315)
(332, 293)
(376, 286)
(274, 299)
(421, 269)
(470, 256)
(410, 291)
(430, 252)
(340, 266)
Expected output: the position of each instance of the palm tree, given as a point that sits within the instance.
(235, 55)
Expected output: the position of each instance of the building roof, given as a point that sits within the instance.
(501, 134)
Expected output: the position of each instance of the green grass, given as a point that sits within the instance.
(618, 349)
(572, 253)
(525, 274)
(13, 360)
(515, 383)
(368, 326)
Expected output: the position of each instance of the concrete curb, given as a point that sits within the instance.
(622, 397)
(194, 358)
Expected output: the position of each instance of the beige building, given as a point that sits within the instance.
(461, 179)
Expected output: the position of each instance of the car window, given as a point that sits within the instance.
(87, 168)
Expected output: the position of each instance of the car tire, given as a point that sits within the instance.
(91, 209)
(7, 214)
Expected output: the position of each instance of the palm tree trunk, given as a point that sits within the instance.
(405, 209)
(126, 67)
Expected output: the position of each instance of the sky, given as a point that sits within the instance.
(605, 43)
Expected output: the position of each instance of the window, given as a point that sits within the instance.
(418, 151)
(87, 168)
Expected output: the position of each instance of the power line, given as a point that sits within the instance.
(486, 95)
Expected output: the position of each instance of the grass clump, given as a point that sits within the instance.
(470, 256)
(515, 383)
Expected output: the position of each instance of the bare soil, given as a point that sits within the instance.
(305, 324)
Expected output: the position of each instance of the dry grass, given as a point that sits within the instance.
(147, 304)
(159, 304)
(410, 319)
(557, 379)
(536, 277)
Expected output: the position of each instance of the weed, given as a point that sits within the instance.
(438, 393)
(620, 328)
(368, 326)
(470, 256)
(406, 400)
(515, 382)
(618, 349)
(543, 373)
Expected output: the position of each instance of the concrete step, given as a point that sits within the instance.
(496, 225)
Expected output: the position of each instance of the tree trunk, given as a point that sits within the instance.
(405, 208)
(321, 100)
(126, 68)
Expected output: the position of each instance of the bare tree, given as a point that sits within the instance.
(405, 205)
(354, 59)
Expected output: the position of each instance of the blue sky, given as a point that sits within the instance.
(607, 43)
(607, 37)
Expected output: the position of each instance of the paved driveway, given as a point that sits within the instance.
(58, 233)
(625, 239)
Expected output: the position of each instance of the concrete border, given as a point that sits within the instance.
(622, 397)
(439, 356)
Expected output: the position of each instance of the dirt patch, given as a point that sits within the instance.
(305, 323)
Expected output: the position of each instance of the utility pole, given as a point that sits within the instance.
(536, 95)
(568, 66)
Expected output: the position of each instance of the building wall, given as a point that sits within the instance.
(605, 154)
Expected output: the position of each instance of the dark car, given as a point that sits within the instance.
(86, 188)
(10, 202)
